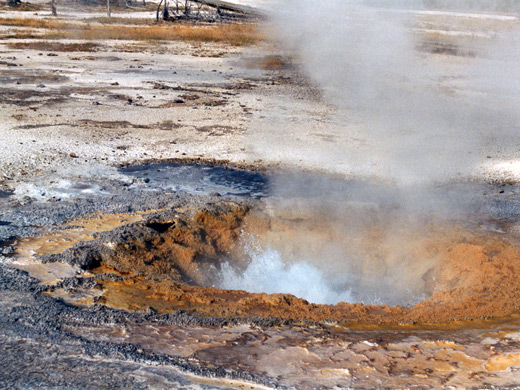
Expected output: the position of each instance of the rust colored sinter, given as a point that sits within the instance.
(475, 275)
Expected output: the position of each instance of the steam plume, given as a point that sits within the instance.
(420, 126)
(404, 115)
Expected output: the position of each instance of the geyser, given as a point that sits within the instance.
(360, 245)
(442, 260)
(422, 98)
(218, 260)
(317, 237)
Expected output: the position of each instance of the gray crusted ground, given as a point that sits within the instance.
(37, 352)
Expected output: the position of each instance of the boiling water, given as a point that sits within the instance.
(267, 272)
(333, 240)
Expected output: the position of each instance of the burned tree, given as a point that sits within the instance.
(206, 10)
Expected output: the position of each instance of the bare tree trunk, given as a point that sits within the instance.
(222, 5)
(158, 9)
(109, 11)
(53, 8)
(166, 13)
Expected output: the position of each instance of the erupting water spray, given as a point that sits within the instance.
(425, 122)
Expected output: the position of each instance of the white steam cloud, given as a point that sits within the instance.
(406, 116)
(426, 119)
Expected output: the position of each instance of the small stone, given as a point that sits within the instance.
(151, 310)
(73, 155)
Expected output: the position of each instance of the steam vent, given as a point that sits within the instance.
(256, 194)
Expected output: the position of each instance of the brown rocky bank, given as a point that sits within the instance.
(171, 263)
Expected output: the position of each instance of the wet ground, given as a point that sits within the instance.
(200, 179)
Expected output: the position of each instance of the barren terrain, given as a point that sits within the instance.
(135, 160)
